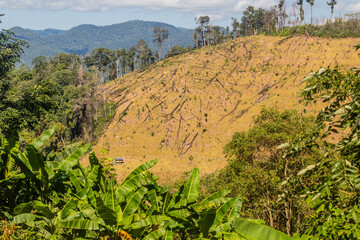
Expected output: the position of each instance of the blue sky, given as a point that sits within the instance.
(65, 14)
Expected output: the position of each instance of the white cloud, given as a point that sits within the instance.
(355, 7)
(212, 6)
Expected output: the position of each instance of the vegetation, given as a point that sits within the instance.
(296, 174)
(177, 50)
(262, 21)
(56, 91)
(331, 186)
(160, 35)
(339, 28)
(256, 169)
(11, 109)
(56, 197)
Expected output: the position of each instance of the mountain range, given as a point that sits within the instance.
(83, 39)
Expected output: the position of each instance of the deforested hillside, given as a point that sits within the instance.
(184, 109)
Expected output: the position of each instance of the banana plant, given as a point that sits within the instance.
(216, 217)
(32, 180)
(72, 201)
(10, 178)
(23, 173)
(98, 206)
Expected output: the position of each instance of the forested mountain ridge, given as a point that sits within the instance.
(183, 110)
(84, 38)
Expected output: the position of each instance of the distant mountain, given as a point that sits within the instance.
(47, 32)
(84, 38)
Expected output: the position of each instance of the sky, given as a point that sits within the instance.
(65, 14)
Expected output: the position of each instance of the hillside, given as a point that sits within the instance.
(183, 110)
(84, 38)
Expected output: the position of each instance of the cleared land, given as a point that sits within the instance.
(183, 110)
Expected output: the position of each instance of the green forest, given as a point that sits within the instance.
(290, 176)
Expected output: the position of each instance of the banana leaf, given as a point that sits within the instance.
(150, 221)
(157, 234)
(221, 212)
(141, 168)
(191, 189)
(134, 202)
(255, 231)
(73, 159)
(81, 224)
(107, 214)
(39, 142)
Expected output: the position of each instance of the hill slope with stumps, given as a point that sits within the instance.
(184, 109)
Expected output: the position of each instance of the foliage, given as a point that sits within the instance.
(206, 34)
(57, 91)
(177, 50)
(339, 28)
(56, 197)
(255, 21)
(160, 35)
(331, 186)
(11, 106)
(256, 168)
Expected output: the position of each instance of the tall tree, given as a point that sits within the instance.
(130, 58)
(197, 37)
(270, 19)
(120, 59)
(247, 21)
(144, 53)
(282, 13)
(216, 35)
(258, 20)
(101, 58)
(203, 22)
(236, 27)
(311, 2)
(10, 50)
(160, 35)
(332, 4)
(300, 3)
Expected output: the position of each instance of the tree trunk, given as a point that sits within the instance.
(117, 68)
(288, 217)
(271, 219)
(288, 211)
(104, 97)
(159, 52)
(203, 37)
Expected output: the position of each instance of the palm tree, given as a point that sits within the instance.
(332, 4)
(300, 3)
(311, 2)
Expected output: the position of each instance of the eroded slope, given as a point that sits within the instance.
(183, 110)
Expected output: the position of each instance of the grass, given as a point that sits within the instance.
(240, 76)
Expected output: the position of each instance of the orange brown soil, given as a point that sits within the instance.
(184, 109)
